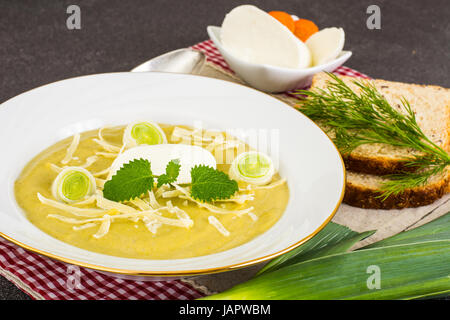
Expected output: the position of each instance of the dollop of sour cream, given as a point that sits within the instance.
(159, 155)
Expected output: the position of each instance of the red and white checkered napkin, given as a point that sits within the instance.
(44, 278)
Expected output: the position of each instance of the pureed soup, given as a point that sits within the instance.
(152, 191)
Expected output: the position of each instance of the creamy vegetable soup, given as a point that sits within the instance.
(152, 191)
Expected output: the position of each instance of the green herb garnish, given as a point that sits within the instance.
(366, 118)
(209, 184)
(172, 172)
(132, 180)
(135, 178)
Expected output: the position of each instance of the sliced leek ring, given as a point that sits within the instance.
(253, 167)
(143, 132)
(73, 184)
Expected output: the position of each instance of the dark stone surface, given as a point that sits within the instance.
(36, 47)
(9, 291)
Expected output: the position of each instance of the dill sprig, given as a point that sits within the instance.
(367, 117)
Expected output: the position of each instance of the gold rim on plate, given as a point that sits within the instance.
(198, 271)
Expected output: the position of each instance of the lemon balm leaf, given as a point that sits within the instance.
(172, 172)
(132, 180)
(209, 184)
(136, 178)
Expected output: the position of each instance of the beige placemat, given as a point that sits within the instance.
(386, 222)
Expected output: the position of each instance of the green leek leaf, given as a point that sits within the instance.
(411, 265)
(434, 230)
(333, 238)
(406, 271)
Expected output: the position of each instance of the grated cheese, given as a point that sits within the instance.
(151, 224)
(168, 221)
(104, 227)
(102, 173)
(84, 226)
(170, 206)
(210, 207)
(71, 149)
(112, 216)
(89, 161)
(107, 154)
(104, 203)
(223, 145)
(100, 182)
(54, 167)
(181, 214)
(141, 204)
(196, 135)
(218, 141)
(216, 223)
(253, 216)
(240, 199)
(107, 146)
(153, 203)
(171, 194)
(161, 190)
(81, 212)
(104, 143)
(91, 199)
(272, 185)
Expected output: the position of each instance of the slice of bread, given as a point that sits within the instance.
(367, 164)
(363, 190)
(431, 105)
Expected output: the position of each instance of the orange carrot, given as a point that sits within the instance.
(304, 29)
(284, 18)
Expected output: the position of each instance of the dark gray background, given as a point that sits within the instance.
(36, 48)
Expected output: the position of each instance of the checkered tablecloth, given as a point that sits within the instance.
(44, 278)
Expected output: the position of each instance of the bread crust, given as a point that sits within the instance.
(368, 198)
(379, 166)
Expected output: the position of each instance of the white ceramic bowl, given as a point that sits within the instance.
(37, 119)
(272, 78)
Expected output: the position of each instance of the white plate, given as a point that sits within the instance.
(272, 78)
(38, 118)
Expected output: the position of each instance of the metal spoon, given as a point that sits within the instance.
(179, 61)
